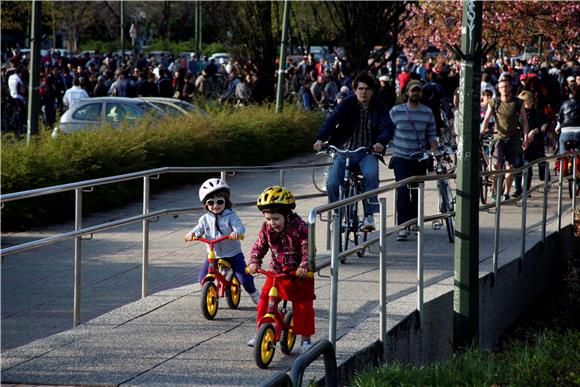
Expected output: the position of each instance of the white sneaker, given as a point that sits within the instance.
(255, 296)
(403, 235)
(368, 223)
(414, 228)
(251, 342)
(306, 345)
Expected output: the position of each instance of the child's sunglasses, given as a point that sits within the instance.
(219, 202)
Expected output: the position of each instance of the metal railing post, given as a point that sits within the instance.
(574, 177)
(281, 178)
(545, 201)
(334, 278)
(524, 212)
(145, 261)
(223, 175)
(420, 221)
(383, 274)
(78, 257)
(328, 234)
(395, 207)
(560, 184)
(498, 189)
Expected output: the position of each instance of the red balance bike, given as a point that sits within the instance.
(220, 281)
(276, 325)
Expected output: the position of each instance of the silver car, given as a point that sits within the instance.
(93, 113)
(173, 106)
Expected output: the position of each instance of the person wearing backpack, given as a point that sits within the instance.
(508, 145)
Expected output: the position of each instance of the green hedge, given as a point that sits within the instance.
(249, 136)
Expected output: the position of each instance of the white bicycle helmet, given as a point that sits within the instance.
(210, 186)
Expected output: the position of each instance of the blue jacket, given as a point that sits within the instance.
(339, 127)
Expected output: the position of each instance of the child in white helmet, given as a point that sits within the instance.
(221, 220)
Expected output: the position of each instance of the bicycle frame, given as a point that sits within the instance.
(213, 274)
(274, 315)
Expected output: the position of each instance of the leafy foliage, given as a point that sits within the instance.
(510, 23)
(230, 137)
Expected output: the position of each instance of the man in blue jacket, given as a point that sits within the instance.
(359, 120)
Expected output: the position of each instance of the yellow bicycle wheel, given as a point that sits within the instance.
(209, 300)
(265, 345)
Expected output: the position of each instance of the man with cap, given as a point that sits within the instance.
(414, 132)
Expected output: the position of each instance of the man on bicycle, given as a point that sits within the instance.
(359, 120)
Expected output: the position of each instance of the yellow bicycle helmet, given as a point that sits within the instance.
(276, 197)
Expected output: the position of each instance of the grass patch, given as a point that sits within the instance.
(228, 137)
(546, 358)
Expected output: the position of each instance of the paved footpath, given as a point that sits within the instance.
(163, 339)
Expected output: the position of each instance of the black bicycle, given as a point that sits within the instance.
(485, 182)
(446, 199)
(352, 184)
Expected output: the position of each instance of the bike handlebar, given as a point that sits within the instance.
(289, 274)
(328, 148)
(424, 155)
(214, 241)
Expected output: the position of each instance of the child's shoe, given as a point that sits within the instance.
(306, 345)
(255, 297)
(251, 342)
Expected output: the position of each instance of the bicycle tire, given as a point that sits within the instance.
(265, 346)
(446, 206)
(319, 177)
(341, 222)
(352, 221)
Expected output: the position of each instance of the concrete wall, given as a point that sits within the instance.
(502, 300)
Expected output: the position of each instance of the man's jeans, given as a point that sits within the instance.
(407, 200)
(369, 167)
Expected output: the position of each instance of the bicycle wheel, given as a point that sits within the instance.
(233, 293)
(209, 300)
(361, 253)
(265, 345)
(351, 221)
(288, 338)
(484, 184)
(446, 206)
(319, 177)
(342, 221)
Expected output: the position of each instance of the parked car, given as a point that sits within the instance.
(172, 106)
(220, 57)
(93, 113)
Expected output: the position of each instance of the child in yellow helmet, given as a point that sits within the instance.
(285, 234)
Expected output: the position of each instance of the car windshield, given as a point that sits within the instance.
(168, 108)
(150, 109)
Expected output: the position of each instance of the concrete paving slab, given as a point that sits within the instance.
(163, 339)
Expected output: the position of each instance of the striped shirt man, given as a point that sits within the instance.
(414, 129)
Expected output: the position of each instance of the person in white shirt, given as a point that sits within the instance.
(74, 94)
(16, 85)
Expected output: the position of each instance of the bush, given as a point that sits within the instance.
(249, 136)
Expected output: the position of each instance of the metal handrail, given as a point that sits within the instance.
(145, 217)
(383, 231)
(151, 172)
